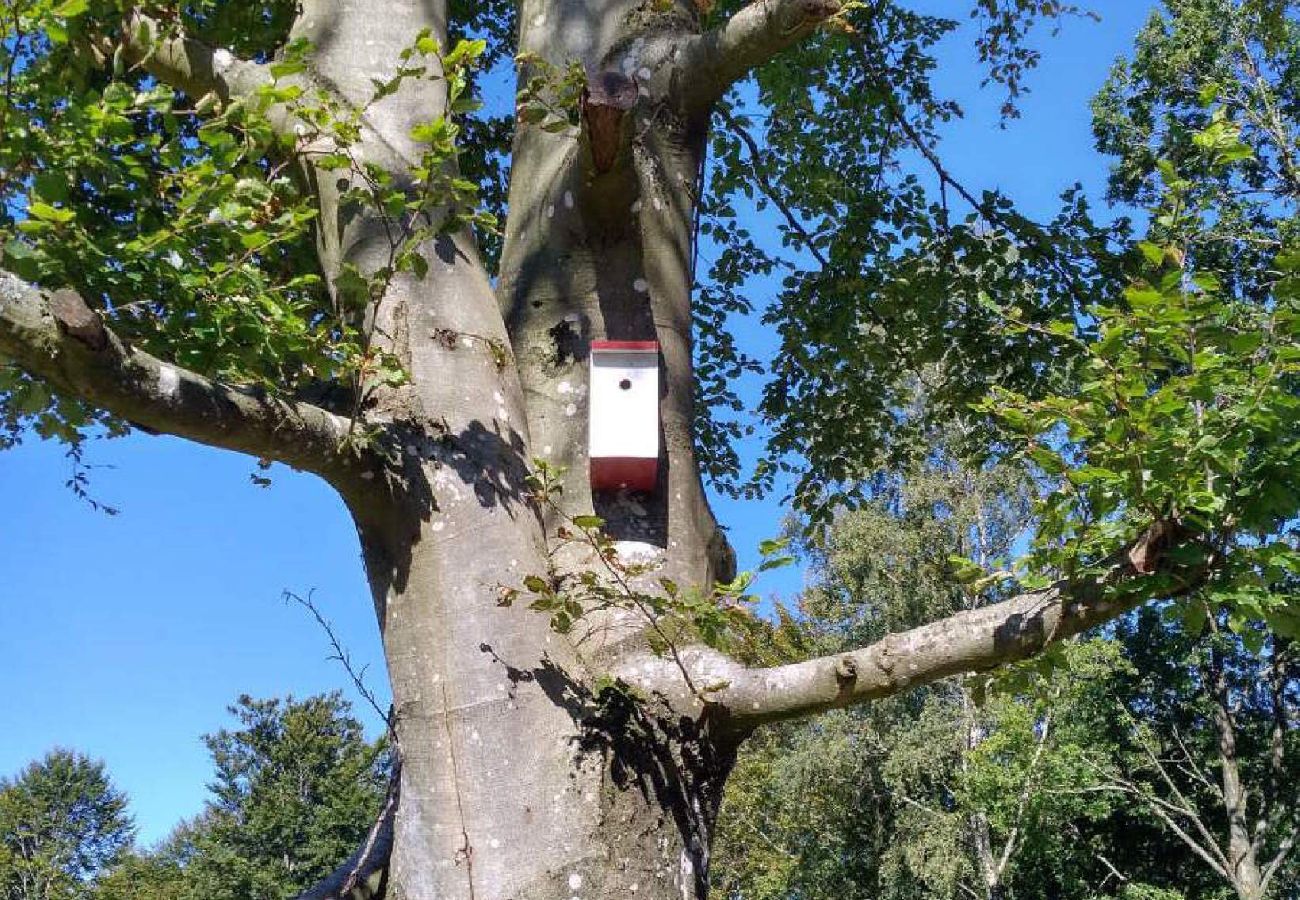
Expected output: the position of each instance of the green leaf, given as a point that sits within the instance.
(70, 9)
(47, 213)
(1154, 253)
(285, 68)
(465, 52)
(965, 570)
(775, 562)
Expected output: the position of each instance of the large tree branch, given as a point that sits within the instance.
(191, 65)
(972, 641)
(715, 60)
(174, 58)
(58, 338)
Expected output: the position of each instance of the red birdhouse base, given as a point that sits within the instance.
(614, 473)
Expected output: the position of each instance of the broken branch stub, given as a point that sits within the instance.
(605, 102)
(77, 319)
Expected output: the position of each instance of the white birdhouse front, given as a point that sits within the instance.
(623, 428)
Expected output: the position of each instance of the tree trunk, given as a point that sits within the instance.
(517, 780)
(1244, 869)
(522, 776)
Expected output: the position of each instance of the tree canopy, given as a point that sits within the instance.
(294, 787)
(62, 824)
(321, 234)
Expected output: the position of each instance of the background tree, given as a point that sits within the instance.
(944, 792)
(1148, 760)
(1202, 64)
(1204, 107)
(62, 824)
(143, 876)
(269, 246)
(1209, 750)
(294, 788)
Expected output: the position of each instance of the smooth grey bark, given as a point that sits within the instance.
(517, 779)
(58, 337)
(970, 641)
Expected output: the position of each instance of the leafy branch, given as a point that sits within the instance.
(1183, 415)
(673, 615)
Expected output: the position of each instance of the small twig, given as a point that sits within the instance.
(342, 656)
(1113, 871)
(756, 156)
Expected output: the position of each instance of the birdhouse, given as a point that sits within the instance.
(623, 427)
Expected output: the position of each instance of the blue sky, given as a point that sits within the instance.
(126, 637)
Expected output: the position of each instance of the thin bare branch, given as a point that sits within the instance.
(1192, 769)
(1184, 806)
(344, 658)
(1026, 790)
(1283, 852)
(1163, 810)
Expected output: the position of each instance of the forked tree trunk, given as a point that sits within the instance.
(515, 781)
(519, 782)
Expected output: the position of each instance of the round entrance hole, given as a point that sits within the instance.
(626, 384)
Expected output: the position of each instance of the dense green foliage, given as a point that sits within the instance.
(112, 183)
(1182, 407)
(295, 788)
(1070, 785)
(920, 795)
(1172, 401)
(62, 825)
(883, 257)
(184, 219)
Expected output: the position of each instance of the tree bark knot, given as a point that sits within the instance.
(884, 659)
(846, 670)
(819, 10)
(77, 319)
